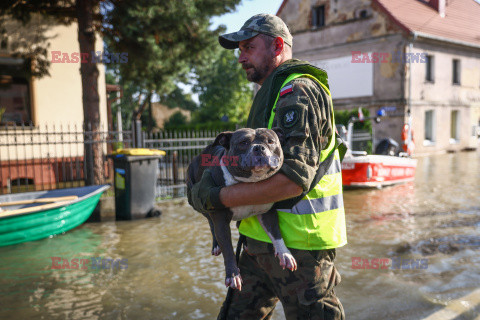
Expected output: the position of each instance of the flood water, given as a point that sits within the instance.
(169, 272)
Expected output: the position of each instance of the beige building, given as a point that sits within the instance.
(400, 55)
(54, 99)
(47, 104)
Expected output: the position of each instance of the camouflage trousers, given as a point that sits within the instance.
(306, 293)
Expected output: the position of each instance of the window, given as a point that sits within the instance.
(429, 69)
(318, 16)
(454, 126)
(456, 71)
(363, 14)
(429, 127)
(14, 92)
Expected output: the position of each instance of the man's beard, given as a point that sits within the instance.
(259, 73)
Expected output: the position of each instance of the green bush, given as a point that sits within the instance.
(342, 117)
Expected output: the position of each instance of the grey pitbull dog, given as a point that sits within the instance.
(246, 155)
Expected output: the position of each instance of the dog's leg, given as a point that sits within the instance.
(216, 251)
(221, 222)
(269, 222)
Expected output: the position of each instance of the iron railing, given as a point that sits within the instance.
(181, 148)
(51, 156)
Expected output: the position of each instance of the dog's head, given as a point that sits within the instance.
(252, 155)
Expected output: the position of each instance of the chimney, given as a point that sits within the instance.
(438, 5)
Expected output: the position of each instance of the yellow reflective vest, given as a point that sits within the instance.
(317, 221)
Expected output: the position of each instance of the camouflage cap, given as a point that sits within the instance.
(261, 23)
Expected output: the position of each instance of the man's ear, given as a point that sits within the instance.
(223, 139)
(280, 134)
(278, 45)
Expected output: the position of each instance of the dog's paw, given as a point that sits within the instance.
(234, 282)
(216, 251)
(287, 261)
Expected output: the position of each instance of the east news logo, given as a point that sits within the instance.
(90, 263)
(389, 263)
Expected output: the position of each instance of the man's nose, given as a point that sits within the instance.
(242, 58)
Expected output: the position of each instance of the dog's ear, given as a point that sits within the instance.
(280, 134)
(223, 139)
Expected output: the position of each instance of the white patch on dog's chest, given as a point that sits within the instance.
(243, 212)
(229, 180)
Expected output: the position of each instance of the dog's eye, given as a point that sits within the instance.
(244, 142)
(270, 141)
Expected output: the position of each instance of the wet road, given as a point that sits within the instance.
(163, 268)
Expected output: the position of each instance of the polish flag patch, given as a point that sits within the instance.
(285, 90)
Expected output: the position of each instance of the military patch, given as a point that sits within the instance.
(285, 90)
(290, 118)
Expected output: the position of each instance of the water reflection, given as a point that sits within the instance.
(171, 274)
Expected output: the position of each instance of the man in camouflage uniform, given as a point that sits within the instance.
(303, 110)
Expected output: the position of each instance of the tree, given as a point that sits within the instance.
(223, 89)
(179, 98)
(162, 39)
(167, 40)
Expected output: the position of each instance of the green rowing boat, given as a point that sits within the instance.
(32, 216)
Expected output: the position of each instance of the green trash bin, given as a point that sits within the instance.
(135, 177)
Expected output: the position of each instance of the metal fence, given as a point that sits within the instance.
(180, 147)
(51, 157)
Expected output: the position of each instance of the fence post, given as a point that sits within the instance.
(120, 125)
(175, 173)
(137, 133)
(88, 154)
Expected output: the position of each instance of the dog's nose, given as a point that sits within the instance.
(258, 148)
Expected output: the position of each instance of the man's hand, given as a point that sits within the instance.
(205, 194)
